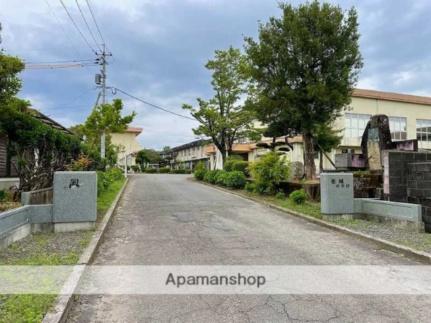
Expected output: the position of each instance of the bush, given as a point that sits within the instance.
(105, 179)
(164, 170)
(136, 168)
(150, 170)
(200, 171)
(235, 163)
(220, 177)
(211, 176)
(235, 179)
(181, 171)
(298, 196)
(268, 172)
(2, 195)
(280, 195)
(250, 187)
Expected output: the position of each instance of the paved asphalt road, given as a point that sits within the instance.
(170, 220)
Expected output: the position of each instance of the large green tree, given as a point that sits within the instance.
(305, 65)
(223, 117)
(147, 156)
(104, 118)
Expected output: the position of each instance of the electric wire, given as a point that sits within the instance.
(86, 24)
(77, 28)
(153, 105)
(94, 20)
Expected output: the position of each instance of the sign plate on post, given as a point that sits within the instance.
(75, 197)
(336, 191)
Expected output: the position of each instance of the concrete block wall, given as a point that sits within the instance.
(419, 189)
(397, 173)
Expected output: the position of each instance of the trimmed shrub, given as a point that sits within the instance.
(235, 163)
(250, 187)
(150, 170)
(2, 195)
(200, 171)
(164, 170)
(268, 172)
(298, 196)
(181, 171)
(235, 179)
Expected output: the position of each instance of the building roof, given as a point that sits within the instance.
(134, 130)
(390, 96)
(48, 121)
(196, 143)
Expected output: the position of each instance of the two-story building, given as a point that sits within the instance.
(409, 118)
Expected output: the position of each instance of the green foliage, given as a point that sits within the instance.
(104, 118)
(105, 199)
(164, 170)
(149, 170)
(148, 156)
(222, 118)
(220, 177)
(268, 172)
(235, 163)
(10, 84)
(200, 171)
(305, 64)
(181, 171)
(105, 179)
(298, 196)
(211, 176)
(2, 195)
(280, 195)
(136, 168)
(250, 187)
(26, 134)
(234, 179)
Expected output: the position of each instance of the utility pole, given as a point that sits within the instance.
(101, 81)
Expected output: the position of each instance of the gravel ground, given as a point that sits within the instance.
(401, 235)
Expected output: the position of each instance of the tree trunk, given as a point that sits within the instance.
(310, 167)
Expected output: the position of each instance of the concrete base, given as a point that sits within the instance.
(15, 235)
(74, 226)
(42, 227)
(8, 182)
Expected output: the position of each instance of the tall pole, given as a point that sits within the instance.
(103, 85)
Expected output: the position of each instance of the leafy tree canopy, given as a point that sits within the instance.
(148, 156)
(305, 65)
(223, 118)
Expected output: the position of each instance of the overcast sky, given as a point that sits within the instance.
(160, 46)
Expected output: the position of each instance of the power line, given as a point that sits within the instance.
(62, 61)
(86, 23)
(153, 105)
(95, 21)
(56, 66)
(76, 27)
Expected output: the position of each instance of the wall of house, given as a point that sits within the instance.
(128, 144)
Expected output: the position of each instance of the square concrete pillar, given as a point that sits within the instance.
(336, 193)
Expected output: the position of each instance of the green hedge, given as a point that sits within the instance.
(235, 164)
(105, 179)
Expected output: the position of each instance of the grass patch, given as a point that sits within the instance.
(46, 249)
(308, 207)
(105, 199)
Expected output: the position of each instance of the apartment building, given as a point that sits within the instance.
(188, 155)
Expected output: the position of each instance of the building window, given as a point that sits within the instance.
(355, 124)
(398, 126)
(423, 130)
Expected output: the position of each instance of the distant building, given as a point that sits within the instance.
(188, 155)
(409, 118)
(127, 144)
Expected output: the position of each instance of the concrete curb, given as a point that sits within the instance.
(388, 245)
(59, 312)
